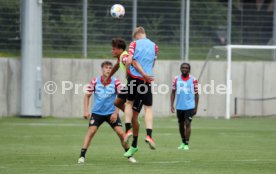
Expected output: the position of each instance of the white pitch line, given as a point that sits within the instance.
(255, 160)
(166, 162)
(244, 160)
(126, 163)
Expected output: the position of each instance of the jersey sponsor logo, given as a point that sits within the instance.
(105, 91)
(104, 96)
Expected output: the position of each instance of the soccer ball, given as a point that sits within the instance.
(117, 11)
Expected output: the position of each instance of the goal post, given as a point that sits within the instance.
(237, 67)
(230, 49)
(228, 82)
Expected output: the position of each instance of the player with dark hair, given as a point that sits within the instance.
(118, 51)
(185, 87)
(103, 108)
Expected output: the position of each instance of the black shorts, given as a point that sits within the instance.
(138, 89)
(123, 93)
(138, 103)
(183, 115)
(97, 120)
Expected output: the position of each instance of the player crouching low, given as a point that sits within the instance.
(103, 109)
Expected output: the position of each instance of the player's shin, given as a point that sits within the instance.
(136, 125)
(128, 114)
(188, 131)
(149, 119)
(149, 122)
(182, 131)
(128, 118)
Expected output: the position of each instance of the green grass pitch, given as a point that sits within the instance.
(217, 146)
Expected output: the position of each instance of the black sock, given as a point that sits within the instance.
(184, 140)
(149, 131)
(187, 142)
(83, 152)
(134, 142)
(128, 126)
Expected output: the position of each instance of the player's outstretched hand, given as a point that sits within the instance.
(172, 109)
(86, 115)
(113, 118)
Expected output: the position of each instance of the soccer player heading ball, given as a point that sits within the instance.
(185, 87)
(142, 55)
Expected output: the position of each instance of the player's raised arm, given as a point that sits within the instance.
(113, 71)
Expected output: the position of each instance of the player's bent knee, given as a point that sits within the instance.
(118, 103)
(135, 119)
(181, 121)
(129, 103)
(119, 131)
(187, 123)
(91, 133)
